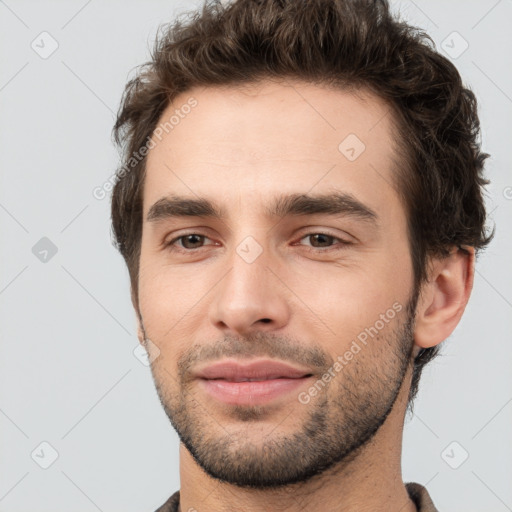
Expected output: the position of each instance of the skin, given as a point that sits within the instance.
(303, 300)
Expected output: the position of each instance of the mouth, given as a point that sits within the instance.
(251, 392)
(253, 383)
(242, 379)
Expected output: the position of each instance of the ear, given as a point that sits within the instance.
(444, 297)
(140, 326)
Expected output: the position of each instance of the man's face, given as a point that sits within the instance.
(327, 291)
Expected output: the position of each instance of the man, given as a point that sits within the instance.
(299, 208)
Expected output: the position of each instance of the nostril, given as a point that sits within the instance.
(266, 320)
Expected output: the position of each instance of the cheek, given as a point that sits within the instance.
(342, 302)
(172, 300)
(369, 280)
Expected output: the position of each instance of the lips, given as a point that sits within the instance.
(234, 371)
(252, 383)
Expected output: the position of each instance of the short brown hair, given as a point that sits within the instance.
(346, 44)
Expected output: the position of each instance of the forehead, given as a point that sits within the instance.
(247, 143)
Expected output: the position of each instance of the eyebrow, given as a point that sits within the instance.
(335, 204)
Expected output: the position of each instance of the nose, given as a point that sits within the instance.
(250, 297)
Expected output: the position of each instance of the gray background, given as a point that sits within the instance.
(68, 374)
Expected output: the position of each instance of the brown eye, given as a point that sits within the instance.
(187, 243)
(192, 241)
(321, 240)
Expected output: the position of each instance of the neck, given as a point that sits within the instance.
(369, 480)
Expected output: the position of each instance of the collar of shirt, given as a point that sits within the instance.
(417, 492)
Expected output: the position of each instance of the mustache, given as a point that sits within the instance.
(257, 344)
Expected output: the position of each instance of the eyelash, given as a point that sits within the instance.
(170, 245)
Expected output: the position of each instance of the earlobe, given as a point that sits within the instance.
(140, 332)
(141, 335)
(444, 297)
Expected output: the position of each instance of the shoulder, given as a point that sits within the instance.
(420, 496)
(171, 505)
